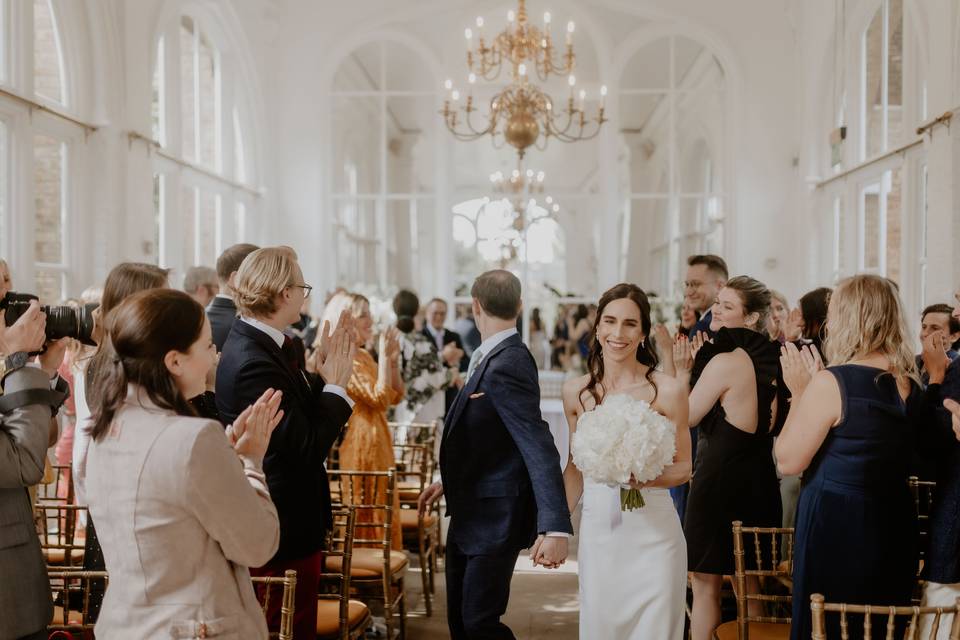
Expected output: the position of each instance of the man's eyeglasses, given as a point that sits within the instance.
(306, 289)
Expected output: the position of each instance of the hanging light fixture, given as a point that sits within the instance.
(521, 114)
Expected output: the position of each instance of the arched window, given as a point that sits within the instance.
(672, 124)
(384, 122)
(36, 201)
(204, 184)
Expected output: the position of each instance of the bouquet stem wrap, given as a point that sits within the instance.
(631, 499)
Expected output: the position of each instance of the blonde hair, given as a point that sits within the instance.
(755, 298)
(262, 278)
(866, 316)
(345, 300)
(776, 295)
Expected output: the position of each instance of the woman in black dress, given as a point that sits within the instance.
(733, 399)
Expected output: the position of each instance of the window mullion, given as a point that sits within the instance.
(885, 77)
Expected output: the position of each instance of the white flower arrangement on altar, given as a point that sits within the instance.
(621, 440)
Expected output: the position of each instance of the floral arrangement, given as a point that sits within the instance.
(621, 440)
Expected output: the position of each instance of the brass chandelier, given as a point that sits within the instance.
(521, 113)
(518, 190)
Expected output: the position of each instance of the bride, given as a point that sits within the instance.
(632, 564)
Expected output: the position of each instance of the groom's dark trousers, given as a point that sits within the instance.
(503, 485)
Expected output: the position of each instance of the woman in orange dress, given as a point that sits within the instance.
(374, 387)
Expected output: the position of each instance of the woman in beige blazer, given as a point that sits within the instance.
(182, 509)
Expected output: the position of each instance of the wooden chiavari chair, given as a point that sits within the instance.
(772, 549)
(71, 594)
(57, 526)
(421, 532)
(339, 617)
(264, 587)
(57, 487)
(886, 618)
(377, 572)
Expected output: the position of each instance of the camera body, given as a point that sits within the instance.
(62, 321)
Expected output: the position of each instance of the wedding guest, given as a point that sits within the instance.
(374, 387)
(941, 561)
(807, 321)
(733, 399)
(222, 310)
(202, 284)
(124, 280)
(689, 317)
(779, 312)
(706, 275)
(269, 290)
(848, 431)
(560, 340)
(425, 376)
(538, 339)
(449, 344)
(579, 331)
(163, 484)
(466, 327)
(938, 318)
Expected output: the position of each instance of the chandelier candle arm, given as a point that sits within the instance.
(521, 113)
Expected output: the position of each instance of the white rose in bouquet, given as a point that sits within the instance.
(623, 437)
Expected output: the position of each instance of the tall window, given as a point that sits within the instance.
(205, 167)
(671, 122)
(383, 127)
(48, 72)
(882, 125)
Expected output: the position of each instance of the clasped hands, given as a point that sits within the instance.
(549, 551)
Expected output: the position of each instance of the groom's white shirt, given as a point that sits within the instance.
(485, 348)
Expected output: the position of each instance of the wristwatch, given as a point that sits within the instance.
(15, 361)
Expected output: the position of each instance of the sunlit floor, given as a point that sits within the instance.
(543, 603)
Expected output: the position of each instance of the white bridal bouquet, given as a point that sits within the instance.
(623, 437)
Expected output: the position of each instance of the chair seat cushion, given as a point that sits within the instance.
(328, 617)
(74, 618)
(368, 563)
(408, 519)
(758, 631)
(58, 556)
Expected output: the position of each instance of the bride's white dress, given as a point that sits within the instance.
(632, 566)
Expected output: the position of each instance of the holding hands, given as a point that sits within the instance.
(549, 551)
(799, 366)
(250, 432)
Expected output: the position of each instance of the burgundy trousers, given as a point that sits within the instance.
(305, 598)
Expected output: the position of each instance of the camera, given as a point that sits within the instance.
(62, 321)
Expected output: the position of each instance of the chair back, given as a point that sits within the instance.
(923, 495)
(56, 525)
(771, 551)
(371, 494)
(335, 583)
(264, 586)
(415, 432)
(884, 617)
(71, 595)
(57, 486)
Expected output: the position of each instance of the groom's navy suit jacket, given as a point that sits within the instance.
(500, 467)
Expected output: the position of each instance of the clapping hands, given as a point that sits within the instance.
(250, 432)
(954, 408)
(792, 329)
(799, 366)
(685, 350)
(334, 355)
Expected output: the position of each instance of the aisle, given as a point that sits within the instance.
(543, 604)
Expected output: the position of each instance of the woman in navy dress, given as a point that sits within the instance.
(850, 431)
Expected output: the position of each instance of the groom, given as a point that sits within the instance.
(500, 470)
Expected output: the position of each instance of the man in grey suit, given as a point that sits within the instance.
(31, 397)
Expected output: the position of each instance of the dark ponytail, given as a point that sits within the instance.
(406, 305)
(646, 354)
(138, 335)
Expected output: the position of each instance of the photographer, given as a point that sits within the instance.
(26, 408)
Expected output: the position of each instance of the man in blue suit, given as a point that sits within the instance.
(500, 470)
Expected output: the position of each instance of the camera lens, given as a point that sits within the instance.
(62, 321)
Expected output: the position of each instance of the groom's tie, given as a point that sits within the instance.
(474, 363)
